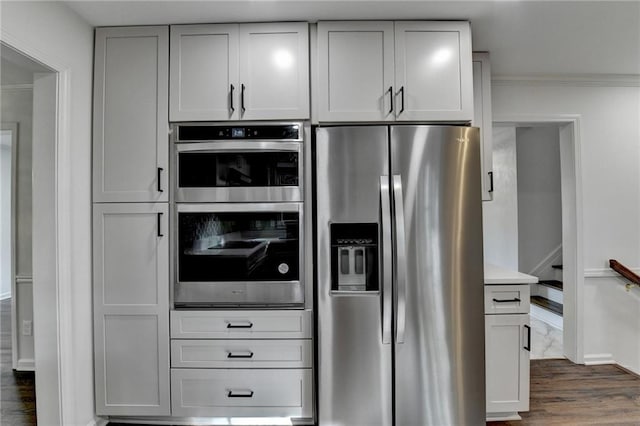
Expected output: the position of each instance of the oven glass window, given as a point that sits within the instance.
(258, 246)
(229, 169)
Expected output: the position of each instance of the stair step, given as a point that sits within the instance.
(547, 304)
(551, 283)
(556, 266)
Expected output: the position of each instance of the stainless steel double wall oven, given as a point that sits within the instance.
(239, 216)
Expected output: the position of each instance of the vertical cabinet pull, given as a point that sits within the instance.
(242, 98)
(490, 182)
(231, 100)
(159, 216)
(528, 346)
(160, 169)
(390, 99)
(401, 100)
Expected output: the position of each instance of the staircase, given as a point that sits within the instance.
(546, 299)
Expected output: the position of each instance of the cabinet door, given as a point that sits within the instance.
(204, 72)
(274, 71)
(507, 361)
(433, 71)
(131, 308)
(482, 118)
(130, 128)
(355, 76)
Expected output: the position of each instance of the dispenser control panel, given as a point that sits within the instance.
(354, 257)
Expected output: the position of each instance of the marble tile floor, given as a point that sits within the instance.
(546, 340)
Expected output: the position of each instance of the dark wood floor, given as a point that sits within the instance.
(17, 389)
(563, 393)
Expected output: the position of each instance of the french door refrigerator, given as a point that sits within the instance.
(400, 276)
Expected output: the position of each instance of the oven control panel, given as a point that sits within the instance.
(201, 133)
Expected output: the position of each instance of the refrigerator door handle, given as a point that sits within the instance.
(400, 258)
(387, 292)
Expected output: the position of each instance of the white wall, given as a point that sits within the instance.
(500, 216)
(57, 36)
(539, 194)
(610, 154)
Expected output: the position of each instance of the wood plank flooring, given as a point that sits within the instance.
(563, 393)
(17, 389)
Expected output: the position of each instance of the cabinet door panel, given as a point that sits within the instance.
(274, 70)
(355, 71)
(204, 66)
(507, 363)
(482, 117)
(130, 114)
(131, 308)
(433, 71)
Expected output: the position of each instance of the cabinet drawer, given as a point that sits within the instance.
(240, 324)
(506, 299)
(241, 353)
(229, 393)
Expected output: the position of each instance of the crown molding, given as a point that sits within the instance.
(579, 80)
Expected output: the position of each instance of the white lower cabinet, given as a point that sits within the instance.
(508, 345)
(241, 392)
(242, 364)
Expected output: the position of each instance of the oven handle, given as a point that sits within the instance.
(240, 146)
(240, 207)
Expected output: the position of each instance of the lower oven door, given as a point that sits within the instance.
(239, 255)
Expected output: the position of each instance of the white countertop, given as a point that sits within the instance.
(496, 275)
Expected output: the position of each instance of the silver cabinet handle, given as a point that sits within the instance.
(401, 259)
(387, 292)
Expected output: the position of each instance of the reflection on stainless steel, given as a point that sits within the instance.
(433, 373)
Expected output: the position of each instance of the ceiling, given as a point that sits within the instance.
(523, 37)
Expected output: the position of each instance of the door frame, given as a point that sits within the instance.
(54, 366)
(569, 126)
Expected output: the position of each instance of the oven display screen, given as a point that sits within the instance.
(237, 132)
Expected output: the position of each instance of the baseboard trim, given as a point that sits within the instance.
(503, 417)
(27, 364)
(599, 359)
(5, 295)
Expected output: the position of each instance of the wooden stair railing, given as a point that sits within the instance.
(625, 272)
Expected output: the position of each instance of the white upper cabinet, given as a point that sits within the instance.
(130, 128)
(239, 72)
(402, 71)
(482, 118)
(274, 71)
(204, 72)
(355, 71)
(433, 71)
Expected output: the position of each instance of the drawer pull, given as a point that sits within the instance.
(240, 325)
(240, 394)
(515, 299)
(240, 355)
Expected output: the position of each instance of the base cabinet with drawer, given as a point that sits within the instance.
(242, 364)
(507, 350)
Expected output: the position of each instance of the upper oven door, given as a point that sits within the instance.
(252, 163)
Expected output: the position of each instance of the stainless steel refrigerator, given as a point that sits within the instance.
(400, 276)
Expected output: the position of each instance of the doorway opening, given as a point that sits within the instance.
(537, 168)
(28, 99)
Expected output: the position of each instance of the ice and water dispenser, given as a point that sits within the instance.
(354, 257)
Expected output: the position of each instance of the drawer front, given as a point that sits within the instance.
(229, 393)
(241, 324)
(241, 353)
(506, 299)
